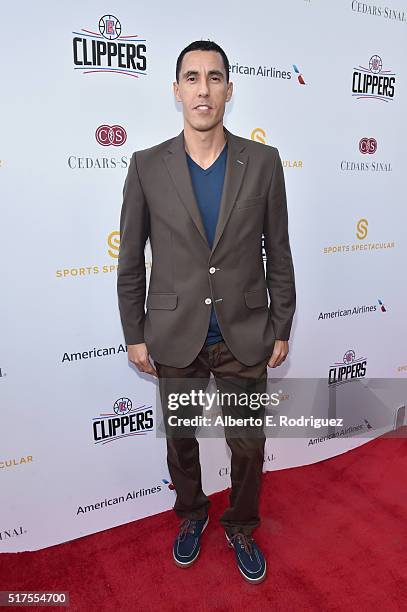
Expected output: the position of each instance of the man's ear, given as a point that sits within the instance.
(229, 91)
(175, 87)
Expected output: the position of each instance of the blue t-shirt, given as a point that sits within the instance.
(208, 187)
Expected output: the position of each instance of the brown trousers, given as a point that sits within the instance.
(246, 444)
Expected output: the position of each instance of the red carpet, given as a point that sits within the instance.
(334, 534)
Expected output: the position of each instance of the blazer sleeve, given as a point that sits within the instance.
(131, 273)
(279, 265)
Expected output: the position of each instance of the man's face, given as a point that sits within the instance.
(203, 89)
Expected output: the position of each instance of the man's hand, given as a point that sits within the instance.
(280, 352)
(138, 354)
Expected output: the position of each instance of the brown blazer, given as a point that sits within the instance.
(187, 276)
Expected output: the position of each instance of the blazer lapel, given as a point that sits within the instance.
(236, 164)
(178, 168)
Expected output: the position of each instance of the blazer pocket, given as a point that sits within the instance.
(162, 301)
(249, 202)
(256, 299)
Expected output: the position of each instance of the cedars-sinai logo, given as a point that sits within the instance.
(373, 82)
(111, 135)
(123, 422)
(108, 50)
(368, 146)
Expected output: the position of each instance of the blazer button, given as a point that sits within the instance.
(212, 270)
(208, 300)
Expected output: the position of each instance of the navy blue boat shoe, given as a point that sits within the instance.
(250, 559)
(187, 543)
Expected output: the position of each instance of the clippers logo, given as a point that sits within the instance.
(108, 50)
(122, 405)
(111, 135)
(350, 368)
(125, 421)
(368, 146)
(299, 77)
(373, 82)
(110, 27)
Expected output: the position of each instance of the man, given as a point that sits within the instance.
(204, 199)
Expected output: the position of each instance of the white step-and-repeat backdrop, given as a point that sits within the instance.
(324, 82)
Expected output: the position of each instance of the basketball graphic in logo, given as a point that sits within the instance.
(110, 27)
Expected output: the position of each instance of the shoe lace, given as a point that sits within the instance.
(244, 541)
(187, 526)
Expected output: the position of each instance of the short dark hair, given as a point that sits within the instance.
(202, 45)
